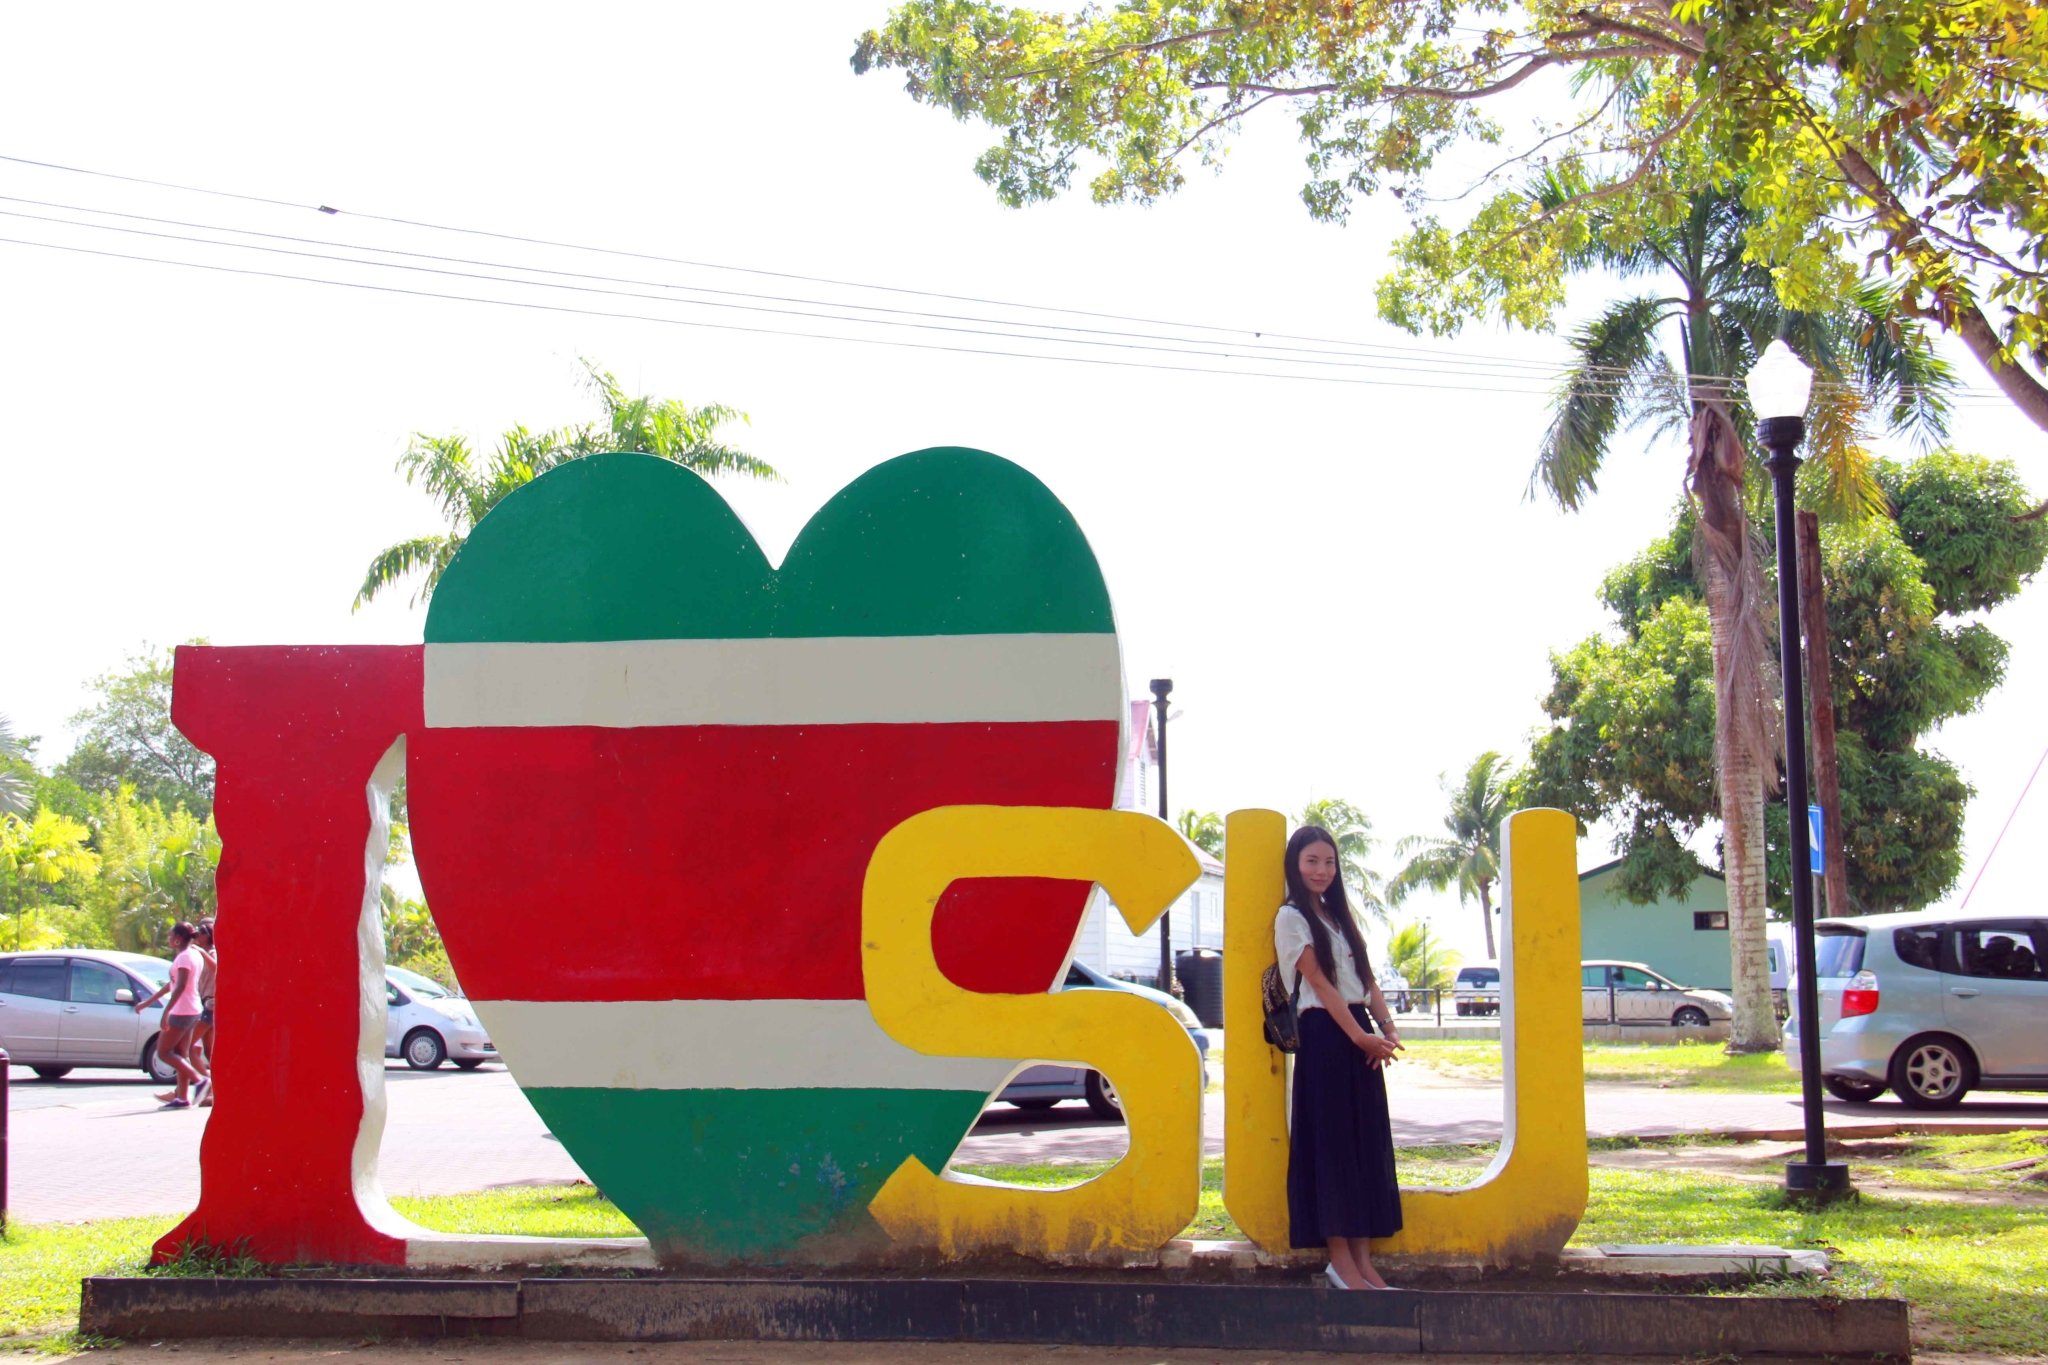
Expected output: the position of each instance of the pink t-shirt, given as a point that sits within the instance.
(186, 999)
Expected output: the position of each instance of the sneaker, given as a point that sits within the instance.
(176, 1103)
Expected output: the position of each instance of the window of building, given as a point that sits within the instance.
(1710, 919)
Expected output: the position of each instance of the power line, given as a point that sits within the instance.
(1607, 382)
(734, 327)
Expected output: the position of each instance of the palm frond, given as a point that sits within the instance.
(14, 785)
(1611, 357)
(444, 465)
(424, 554)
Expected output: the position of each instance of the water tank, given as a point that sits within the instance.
(1201, 981)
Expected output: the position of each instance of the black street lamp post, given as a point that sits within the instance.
(1778, 391)
(1162, 688)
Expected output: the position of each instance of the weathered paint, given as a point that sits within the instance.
(761, 1045)
(299, 734)
(843, 680)
(695, 754)
(754, 1174)
(1149, 1195)
(1255, 1079)
(1531, 1197)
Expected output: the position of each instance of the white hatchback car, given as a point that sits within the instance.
(427, 1024)
(74, 1007)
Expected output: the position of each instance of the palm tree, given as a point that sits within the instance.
(1871, 359)
(1203, 829)
(1352, 829)
(467, 489)
(14, 786)
(1467, 854)
(1422, 961)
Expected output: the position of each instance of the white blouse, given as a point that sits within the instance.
(1291, 937)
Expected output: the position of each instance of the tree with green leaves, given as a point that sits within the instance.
(1467, 854)
(44, 860)
(1421, 958)
(1907, 133)
(1632, 714)
(1721, 309)
(467, 487)
(1352, 830)
(157, 867)
(127, 738)
(1203, 829)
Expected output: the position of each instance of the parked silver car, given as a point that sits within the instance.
(1477, 990)
(76, 1007)
(1931, 1004)
(1630, 993)
(1042, 1087)
(427, 1024)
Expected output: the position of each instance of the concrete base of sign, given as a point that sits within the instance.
(1125, 1310)
(1184, 1258)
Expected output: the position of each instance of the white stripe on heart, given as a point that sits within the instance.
(838, 680)
(718, 1045)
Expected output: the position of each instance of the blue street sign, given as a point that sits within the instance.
(1816, 858)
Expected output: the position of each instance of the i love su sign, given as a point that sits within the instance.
(760, 878)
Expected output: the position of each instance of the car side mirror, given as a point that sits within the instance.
(124, 996)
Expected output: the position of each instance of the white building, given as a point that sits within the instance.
(1106, 942)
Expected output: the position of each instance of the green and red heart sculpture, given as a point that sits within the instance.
(653, 769)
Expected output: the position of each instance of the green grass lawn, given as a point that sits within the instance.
(1694, 1065)
(1974, 1266)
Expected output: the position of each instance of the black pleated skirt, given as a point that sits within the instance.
(1340, 1167)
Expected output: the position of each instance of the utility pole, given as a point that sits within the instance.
(1162, 688)
(1827, 777)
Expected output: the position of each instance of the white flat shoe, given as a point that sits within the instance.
(1336, 1280)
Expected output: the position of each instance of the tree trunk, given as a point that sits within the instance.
(1827, 775)
(1486, 913)
(1745, 721)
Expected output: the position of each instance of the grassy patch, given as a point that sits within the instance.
(576, 1210)
(41, 1265)
(1690, 1065)
(1988, 1162)
(1976, 1275)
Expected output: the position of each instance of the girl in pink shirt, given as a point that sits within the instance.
(181, 1016)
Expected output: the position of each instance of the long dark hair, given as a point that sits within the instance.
(1332, 908)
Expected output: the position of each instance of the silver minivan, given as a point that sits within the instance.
(1930, 1004)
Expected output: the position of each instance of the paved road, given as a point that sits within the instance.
(97, 1146)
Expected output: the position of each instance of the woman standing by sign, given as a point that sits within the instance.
(1341, 1187)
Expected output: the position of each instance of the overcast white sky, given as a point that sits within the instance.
(1344, 581)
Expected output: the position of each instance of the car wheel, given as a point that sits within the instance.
(1934, 1072)
(1854, 1091)
(1102, 1097)
(155, 1067)
(51, 1073)
(1034, 1105)
(1689, 1017)
(1463, 1009)
(469, 1063)
(423, 1050)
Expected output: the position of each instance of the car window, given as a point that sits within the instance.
(1479, 976)
(391, 995)
(1837, 952)
(1077, 977)
(1594, 977)
(95, 984)
(6, 975)
(2001, 951)
(149, 969)
(1633, 978)
(1919, 946)
(39, 977)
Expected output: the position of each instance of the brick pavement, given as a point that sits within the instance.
(451, 1132)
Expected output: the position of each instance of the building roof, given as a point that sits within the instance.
(1613, 863)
